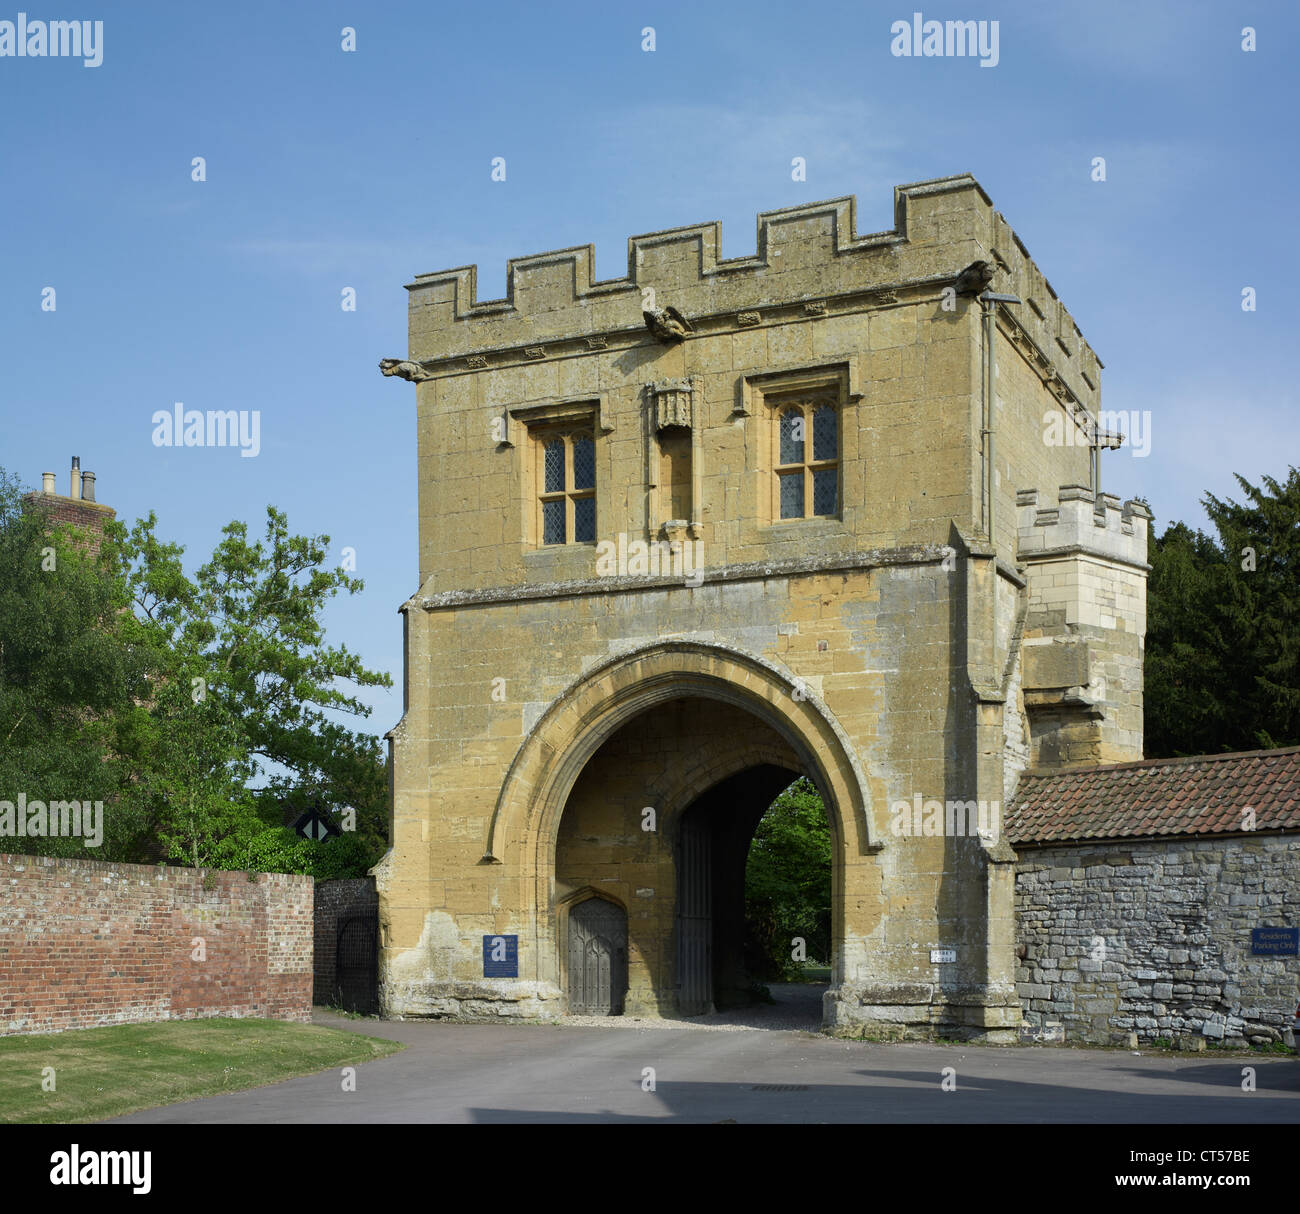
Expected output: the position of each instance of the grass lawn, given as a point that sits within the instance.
(101, 1073)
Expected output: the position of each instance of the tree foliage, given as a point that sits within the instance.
(197, 709)
(73, 665)
(788, 883)
(248, 647)
(1223, 627)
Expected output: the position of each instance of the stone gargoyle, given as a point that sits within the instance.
(404, 369)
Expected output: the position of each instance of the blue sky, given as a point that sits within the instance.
(328, 170)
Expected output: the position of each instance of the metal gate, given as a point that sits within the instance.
(597, 958)
(356, 961)
(694, 917)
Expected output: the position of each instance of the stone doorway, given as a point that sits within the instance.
(659, 822)
(594, 801)
(597, 958)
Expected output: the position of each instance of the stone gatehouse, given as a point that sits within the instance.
(691, 532)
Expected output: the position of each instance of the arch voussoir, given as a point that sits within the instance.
(599, 702)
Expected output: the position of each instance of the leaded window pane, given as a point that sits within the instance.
(584, 520)
(554, 459)
(825, 434)
(825, 490)
(584, 463)
(553, 522)
(792, 438)
(792, 495)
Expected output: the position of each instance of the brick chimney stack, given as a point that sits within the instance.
(79, 508)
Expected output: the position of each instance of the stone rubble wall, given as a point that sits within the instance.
(1153, 939)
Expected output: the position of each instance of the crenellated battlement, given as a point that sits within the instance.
(1084, 625)
(813, 424)
(808, 257)
(1106, 527)
(1042, 316)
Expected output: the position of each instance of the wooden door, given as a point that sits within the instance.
(597, 958)
(695, 916)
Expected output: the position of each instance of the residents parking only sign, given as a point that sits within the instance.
(1275, 941)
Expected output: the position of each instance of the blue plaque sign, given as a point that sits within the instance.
(500, 956)
(1275, 941)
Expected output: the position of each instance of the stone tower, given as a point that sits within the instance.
(688, 534)
(1086, 560)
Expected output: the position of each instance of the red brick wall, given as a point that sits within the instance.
(89, 516)
(84, 944)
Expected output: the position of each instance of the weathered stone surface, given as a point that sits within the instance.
(1176, 937)
(1050, 1032)
(876, 641)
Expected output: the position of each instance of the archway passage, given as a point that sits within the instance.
(712, 849)
(659, 822)
(789, 908)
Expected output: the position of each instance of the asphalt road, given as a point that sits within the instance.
(569, 1074)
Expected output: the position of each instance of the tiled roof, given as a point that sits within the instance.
(1199, 795)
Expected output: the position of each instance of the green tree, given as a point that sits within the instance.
(1223, 628)
(74, 665)
(252, 692)
(166, 697)
(788, 882)
(193, 765)
(278, 849)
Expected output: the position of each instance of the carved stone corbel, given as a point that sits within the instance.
(672, 403)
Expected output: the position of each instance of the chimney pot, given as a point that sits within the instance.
(47, 482)
(88, 486)
(75, 491)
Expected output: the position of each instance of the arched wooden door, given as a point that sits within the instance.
(597, 958)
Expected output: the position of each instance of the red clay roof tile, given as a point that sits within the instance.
(1197, 795)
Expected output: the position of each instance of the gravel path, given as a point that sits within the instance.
(798, 1007)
